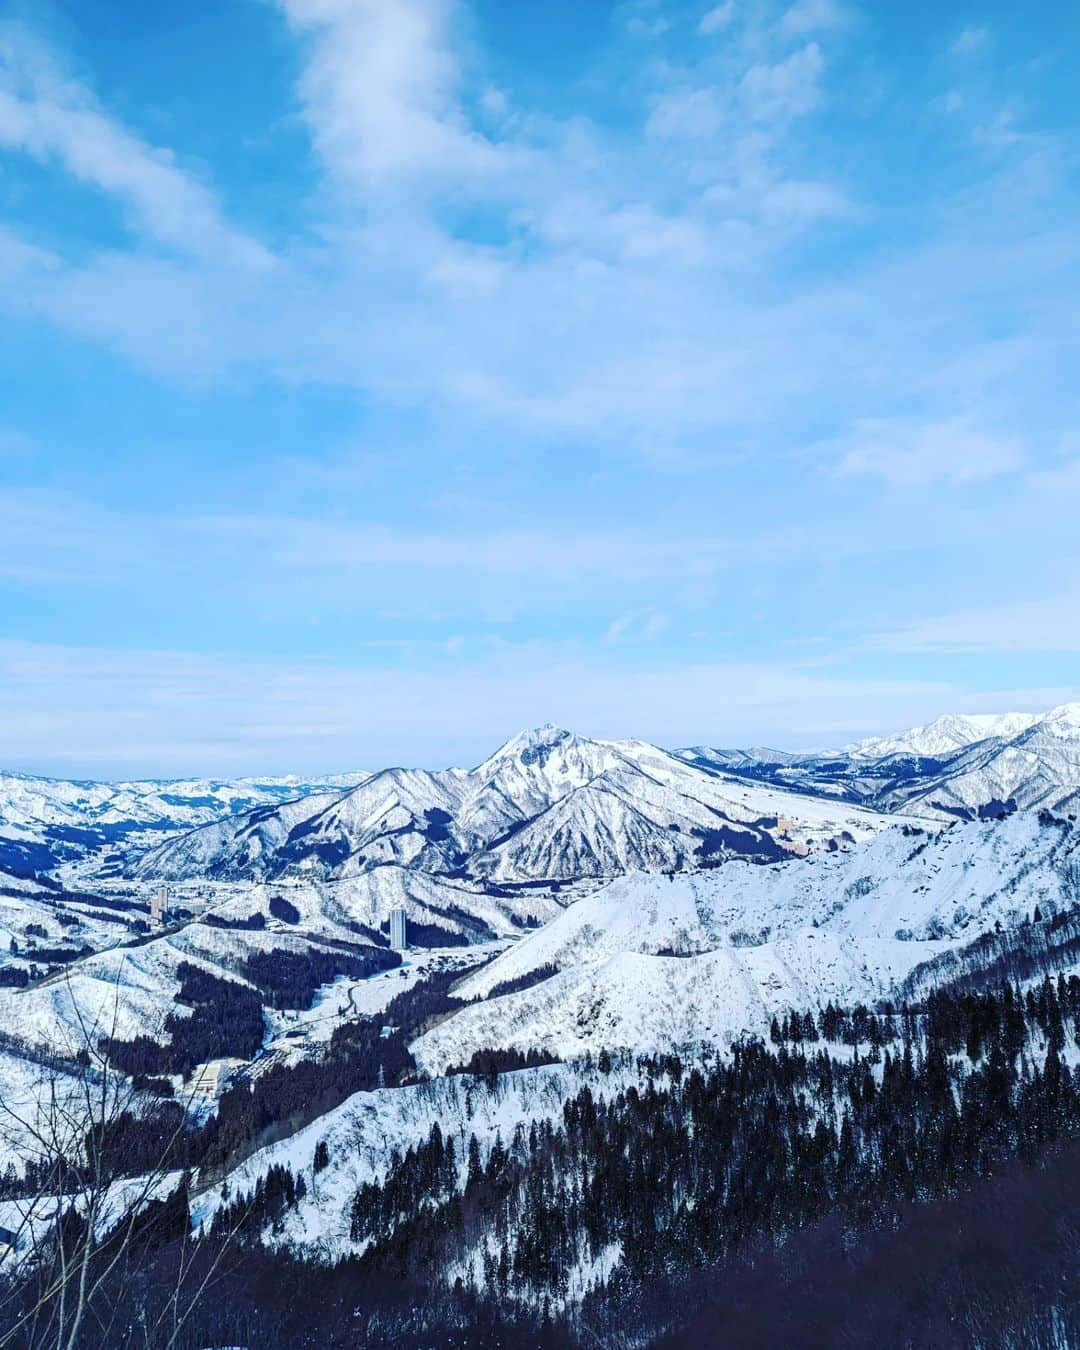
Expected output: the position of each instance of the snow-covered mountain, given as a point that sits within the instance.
(943, 736)
(648, 962)
(548, 806)
(44, 821)
(1037, 767)
(956, 766)
(588, 901)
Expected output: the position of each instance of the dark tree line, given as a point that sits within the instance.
(747, 1198)
(526, 981)
(250, 923)
(488, 1064)
(362, 1054)
(226, 1021)
(290, 979)
(701, 1162)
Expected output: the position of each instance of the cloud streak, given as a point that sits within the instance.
(52, 117)
(141, 712)
(912, 455)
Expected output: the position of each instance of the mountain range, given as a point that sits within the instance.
(953, 768)
(547, 807)
(48, 821)
(596, 928)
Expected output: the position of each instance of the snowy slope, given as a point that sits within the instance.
(660, 1003)
(955, 881)
(122, 991)
(39, 916)
(666, 819)
(364, 1133)
(134, 986)
(366, 897)
(246, 841)
(1037, 767)
(746, 941)
(129, 991)
(27, 1085)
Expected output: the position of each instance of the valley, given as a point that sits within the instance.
(584, 919)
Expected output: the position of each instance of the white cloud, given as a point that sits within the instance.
(1000, 131)
(19, 258)
(811, 16)
(321, 569)
(645, 234)
(1047, 625)
(632, 300)
(638, 625)
(314, 544)
(380, 89)
(803, 200)
(969, 40)
(686, 112)
(910, 455)
(147, 712)
(47, 115)
(780, 90)
(718, 17)
(609, 310)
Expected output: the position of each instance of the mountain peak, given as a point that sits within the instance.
(1064, 720)
(535, 743)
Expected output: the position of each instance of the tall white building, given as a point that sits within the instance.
(398, 939)
(159, 905)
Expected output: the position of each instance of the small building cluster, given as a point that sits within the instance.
(209, 1079)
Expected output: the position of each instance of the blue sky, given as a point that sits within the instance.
(381, 376)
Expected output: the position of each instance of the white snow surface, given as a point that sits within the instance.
(1037, 767)
(27, 800)
(657, 1003)
(748, 942)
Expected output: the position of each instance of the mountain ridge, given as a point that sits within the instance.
(533, 811)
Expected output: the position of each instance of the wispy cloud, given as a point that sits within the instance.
(137, 712)
(718, 17)
(606, 261)
(628, 297)
(780, 90)
(1050, 624)
(49, 115)
(687, 112)
(912, 454)
(812, 16)
(969, 40)
(381, 88)
(638, 625)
